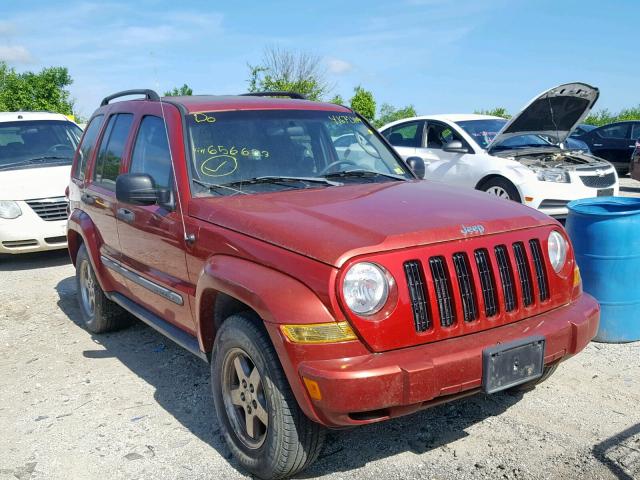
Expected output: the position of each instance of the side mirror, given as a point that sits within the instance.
(417, 165)
(455, 146)
(136, 189)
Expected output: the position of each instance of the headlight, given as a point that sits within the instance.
(365, 288)
(558, 247)
(553, 175)
(9, 209)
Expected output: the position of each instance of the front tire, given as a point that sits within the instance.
(501, 188)
(258, 414)
(99, 314)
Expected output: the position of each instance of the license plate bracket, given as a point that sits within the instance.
(605, 192)
(509, 364)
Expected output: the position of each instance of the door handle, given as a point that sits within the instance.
(597, 144)
(125, 215)
(88, 199)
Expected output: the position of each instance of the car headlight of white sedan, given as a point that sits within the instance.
(9, 209)
(556, 175)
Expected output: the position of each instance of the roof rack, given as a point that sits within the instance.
(149, 95)
(297, 96)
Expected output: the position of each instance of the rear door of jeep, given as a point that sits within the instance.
(98, 186)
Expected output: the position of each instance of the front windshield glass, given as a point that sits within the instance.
(232, 152)
(37, 143)
(484, 131)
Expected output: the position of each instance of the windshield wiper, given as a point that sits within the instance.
(32, 160)
(363, 174)
(282, 179)
(286, 181)
(215, 187)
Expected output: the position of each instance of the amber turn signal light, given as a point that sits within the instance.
(313, 388)
(577, 279)
(319, 332)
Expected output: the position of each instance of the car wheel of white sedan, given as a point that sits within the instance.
(501, 188)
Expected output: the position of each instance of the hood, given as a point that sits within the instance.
(37, 182)
(556, 113)
(334, 224)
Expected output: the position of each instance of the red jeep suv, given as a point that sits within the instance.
(286, 243)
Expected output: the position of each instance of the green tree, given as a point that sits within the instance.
(495, 112)
(337, 99)
(283, 70)
(184, 90)
(388, 114)
(363, 103)
(604, 116)
(46, 90)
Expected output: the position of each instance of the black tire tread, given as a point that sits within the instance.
(302, 439)
(108, 316)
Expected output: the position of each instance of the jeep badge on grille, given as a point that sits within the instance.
(479, 229)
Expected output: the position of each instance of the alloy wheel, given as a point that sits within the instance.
(498, 192)
(244, 399)
(87, 289)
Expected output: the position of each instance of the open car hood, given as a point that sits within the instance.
(554, 113)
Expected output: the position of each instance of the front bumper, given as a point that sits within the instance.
(374, 387)
(30, 233)
(552, 198)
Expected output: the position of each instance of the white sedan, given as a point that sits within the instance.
(522, 159)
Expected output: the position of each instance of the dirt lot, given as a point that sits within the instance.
(132, 405)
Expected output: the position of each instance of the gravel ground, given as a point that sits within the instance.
(132, 405)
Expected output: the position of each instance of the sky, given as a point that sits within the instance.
(442, 56)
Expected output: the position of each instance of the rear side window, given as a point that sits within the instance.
(87, 145)
(636, 131)
(405, 134)
(111, 150)
(151, 152)
(615, 131)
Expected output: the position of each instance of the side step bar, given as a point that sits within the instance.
(182, 338)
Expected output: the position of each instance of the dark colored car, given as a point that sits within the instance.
(614, 142)
(581, 129)
(324, 290)
(634, 164)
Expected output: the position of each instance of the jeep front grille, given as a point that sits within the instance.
(487, 282)
(49, 209)
(506, 278)
(595, 181)
(417, 294)
(541, 274)
(523, 273)
(465, 284)
(443, 290)
(475, 274)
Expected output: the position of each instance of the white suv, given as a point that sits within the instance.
(36, 151)
(528, 159)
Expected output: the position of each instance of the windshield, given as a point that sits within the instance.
(37, 143)
(267, 150)
(483, 131)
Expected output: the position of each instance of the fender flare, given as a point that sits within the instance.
(81, 229)
(268, 292)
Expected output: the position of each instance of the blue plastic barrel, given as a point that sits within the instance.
(605, 233)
